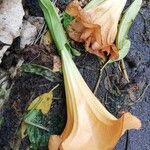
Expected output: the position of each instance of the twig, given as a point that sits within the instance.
(98, 82)
(42, 34)
(99, 78)
(127, 141)
(89, 68)
(34, 58)
(140, 98)
(123, 67)
(39, 34)
(57, 98)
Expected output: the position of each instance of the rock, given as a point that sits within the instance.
(31, 27)
(28, 34)
(11, 15)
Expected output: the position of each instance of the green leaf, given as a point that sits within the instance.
(55, 27)
(40, 104)
(30, 119)
(54, 24)
(125, 49)
(1, 121)
(73, 51)
(42, 71)
(33, 126)
(37, 136)
(67, 19)
(122, 41)
(34, 121)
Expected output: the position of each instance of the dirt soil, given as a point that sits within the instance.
(114, 91)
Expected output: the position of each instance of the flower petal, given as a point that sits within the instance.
(54, 142)
(130, 122)
(89, 124)
(90, 133)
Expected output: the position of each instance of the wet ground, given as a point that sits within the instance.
(114, 91)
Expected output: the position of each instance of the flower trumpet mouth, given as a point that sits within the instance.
(96, 26)
(89, 125)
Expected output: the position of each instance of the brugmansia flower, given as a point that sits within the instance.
(96, 26)
(89, 125)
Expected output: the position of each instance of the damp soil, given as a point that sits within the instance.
(114, 92)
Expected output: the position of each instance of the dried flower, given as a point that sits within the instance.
(96, 26)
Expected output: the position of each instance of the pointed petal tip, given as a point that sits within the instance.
(131, 122)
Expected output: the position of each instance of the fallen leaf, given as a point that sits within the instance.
(36, 131)
(5, 87)
(46, 39)
(42, 71)
(123, 43)
(23, 130)
(40, 106)
(37, 22)
(42, 102)
(33, 127)
(56, 63)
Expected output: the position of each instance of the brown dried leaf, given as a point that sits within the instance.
(56, 63)
(46, 39)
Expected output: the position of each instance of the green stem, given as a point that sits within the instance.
(54, 24)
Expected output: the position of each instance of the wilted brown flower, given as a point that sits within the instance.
(96, 26)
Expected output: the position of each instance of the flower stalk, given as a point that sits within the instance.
(89, 125)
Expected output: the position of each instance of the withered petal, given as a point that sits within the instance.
(97, 24)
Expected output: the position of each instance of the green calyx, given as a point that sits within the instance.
(56, 29)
